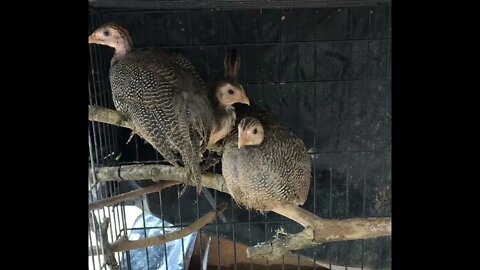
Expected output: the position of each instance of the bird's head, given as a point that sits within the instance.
(228, 90)
(250, 132)
(229, 93)
(114, 36)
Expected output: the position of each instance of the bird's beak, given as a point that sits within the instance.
(241, 140)
(92, 39)
(245, 99)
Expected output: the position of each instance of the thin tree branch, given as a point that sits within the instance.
(156, 172)
(132, 195)
(108, 116)
(123, 244)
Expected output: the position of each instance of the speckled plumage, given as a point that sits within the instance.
(166, 100)
(263, 176)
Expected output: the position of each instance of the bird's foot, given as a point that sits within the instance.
(182, 189)
(209, 162)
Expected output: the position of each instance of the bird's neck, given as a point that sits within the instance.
(224, 122)
(230, 117)
(121, 50)
(228, 112)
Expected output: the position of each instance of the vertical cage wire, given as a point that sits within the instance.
(102, 146)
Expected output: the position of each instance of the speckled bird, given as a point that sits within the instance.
(265, 166)
(164, 96)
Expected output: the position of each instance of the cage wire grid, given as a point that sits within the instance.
(330, 86)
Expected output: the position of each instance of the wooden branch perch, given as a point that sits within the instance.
(132, 195)
(318, 231)
(124, 244)
(327, 231)
(112, 117)
(156, 172)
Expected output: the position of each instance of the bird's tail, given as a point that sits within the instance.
(191, 160)
(191, 156)
(195, 174)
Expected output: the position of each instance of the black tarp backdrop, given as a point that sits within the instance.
(325, 73)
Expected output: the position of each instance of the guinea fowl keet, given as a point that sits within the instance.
(227, 92)
(266, 168)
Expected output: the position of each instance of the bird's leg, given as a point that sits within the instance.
(131, 136)
(211, 201)
(191, 180)
(182, 190)
(297, 214)
(209, 162)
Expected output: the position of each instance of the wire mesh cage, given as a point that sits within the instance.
(320, 68)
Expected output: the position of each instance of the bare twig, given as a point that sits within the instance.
(124, 244)
(131, 195)
(156, 172)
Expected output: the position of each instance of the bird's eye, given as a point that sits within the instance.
(254, 131)
(230, 91)
(106, 33)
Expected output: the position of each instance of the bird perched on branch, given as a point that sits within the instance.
(266, 168)
(165, 98)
